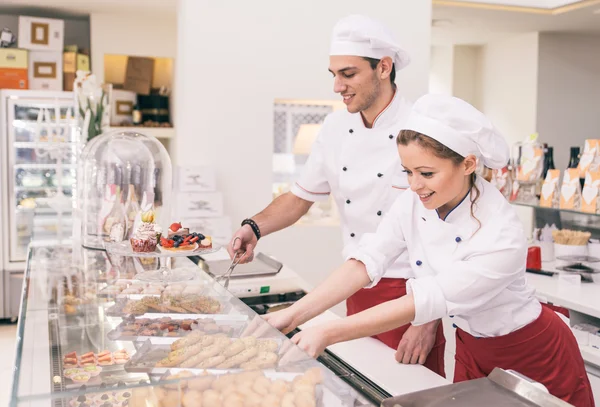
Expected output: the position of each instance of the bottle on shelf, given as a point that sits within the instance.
(548, 161)
(137, 115)
(132, 206)
(574, 158)
(115, 223)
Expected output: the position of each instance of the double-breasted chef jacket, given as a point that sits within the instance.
(470, 269)
(361, 168)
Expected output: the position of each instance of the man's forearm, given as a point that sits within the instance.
(284, 211)
(341, 284)
(381, 318)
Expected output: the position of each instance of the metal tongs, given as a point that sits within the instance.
(237, 257)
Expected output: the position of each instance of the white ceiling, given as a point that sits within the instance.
(85, 7)
(544, 4)
(466, 25)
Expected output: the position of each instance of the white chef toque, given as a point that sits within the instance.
(460, 127)
(362, 36)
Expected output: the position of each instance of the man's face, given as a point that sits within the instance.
(355, 80)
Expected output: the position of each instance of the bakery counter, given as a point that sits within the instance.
(366, 357)
(90, 334)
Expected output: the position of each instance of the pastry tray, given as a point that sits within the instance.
(117, 310)
(237, 323)
(146, 357)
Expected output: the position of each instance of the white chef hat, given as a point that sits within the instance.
(460, 127)
(364, 37)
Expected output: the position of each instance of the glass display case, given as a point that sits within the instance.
(90, 337)
(38, 154)
(122, 173)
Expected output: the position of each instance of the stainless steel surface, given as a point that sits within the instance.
(499, 389)
(262, 265)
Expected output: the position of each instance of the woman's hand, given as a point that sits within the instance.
(313, 340)
(282, 320)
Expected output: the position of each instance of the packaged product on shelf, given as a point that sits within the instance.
(589, 195)
(570, 191)
(530, 160)
(550, 194)
(501, 180)
(588, 158)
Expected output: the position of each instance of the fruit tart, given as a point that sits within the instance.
(180, 239)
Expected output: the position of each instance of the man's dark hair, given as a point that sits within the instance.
(373, 62)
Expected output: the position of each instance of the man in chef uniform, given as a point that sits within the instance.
(355, 159)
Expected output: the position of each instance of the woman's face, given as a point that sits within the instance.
(440, 183)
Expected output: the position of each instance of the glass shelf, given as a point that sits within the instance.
(542, 208)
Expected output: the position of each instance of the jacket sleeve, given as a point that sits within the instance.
(379, 250)
(466, 285)
(312, 185)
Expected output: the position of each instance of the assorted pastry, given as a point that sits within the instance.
(108, 397)
(180, 239)
(146, 235)
(168, 303)
(104, 358)
(204, 351)
(167, 327)
(80, 369)
(128, 287)
(252, 389)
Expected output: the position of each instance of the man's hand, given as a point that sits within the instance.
(245, 240)
(416, 343)
(281, 320)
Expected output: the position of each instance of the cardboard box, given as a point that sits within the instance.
(199, 204)
(121, 110)
(13, 78)
(45, 70)
(138, 75)
(13, 68)
(13, 58)
(195, 179)
(41, 34)
(73, 62)
(68, 81)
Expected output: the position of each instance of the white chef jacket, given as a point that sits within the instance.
(474, 274)
(361, 168)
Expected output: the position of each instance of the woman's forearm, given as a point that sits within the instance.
(381, 318)
(341, 284)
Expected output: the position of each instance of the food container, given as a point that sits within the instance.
(173, 328)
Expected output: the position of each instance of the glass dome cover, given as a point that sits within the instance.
(124, 176)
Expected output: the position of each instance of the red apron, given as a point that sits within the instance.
(390, 289)
(545, 351)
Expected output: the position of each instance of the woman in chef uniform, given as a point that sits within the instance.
(468, 251)
(355, 160)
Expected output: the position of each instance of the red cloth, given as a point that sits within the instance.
(390, 289)
(545, 351)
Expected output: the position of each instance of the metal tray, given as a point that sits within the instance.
(262, 265)
(499, 389)
(237, 325)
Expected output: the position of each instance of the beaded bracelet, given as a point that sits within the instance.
(254, 227)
